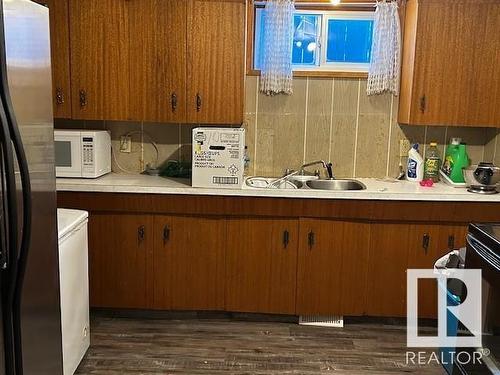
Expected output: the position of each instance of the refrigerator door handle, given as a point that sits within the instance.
(9, 273)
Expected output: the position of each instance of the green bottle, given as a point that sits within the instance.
(461, 161)
(456, 160)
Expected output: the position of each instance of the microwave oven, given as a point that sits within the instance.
(82, 153)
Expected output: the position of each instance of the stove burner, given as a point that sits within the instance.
(482, 189)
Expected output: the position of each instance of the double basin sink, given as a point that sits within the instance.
(315, 184)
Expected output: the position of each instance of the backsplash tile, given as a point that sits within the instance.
(167, 140)
(286, 132)
(325, 118)
(126, 162)
(342, 144)
(371, 149)
(492, 135)
(317, 137)
(251, 94)
(250, 126)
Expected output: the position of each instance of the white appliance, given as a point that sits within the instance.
(74, 280)
(218, 157)
(82, 153)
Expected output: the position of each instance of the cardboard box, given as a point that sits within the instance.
(218, 157)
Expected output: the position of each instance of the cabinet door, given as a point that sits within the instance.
(87, 50)
(261, 265)
(332, 267)
(106, 59)
(188, 263)
(163, 54)
(425, 247)
(122, 75)
(119, 249)
(427, 243)
(386, 283)
(60, 52)
(452, 237)
(455, 81)
(216, 50)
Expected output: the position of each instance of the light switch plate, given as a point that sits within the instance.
(404, 147)
(125, 144)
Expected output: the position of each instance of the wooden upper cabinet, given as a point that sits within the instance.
(261, 265)
(87, 56)
(156, 60)
(215, 62)
(106, 70)
(332, 267)
(60, 54)
(122, 79)
(163, 54)
(188, 263)
(449, 73)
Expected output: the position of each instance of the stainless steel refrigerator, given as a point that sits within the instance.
(29, 271)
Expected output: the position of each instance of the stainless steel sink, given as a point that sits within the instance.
(335, 185)
(263, 182)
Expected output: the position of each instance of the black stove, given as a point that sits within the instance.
(483, 252)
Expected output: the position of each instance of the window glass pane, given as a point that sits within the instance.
(259, 40)
(305, 39)
(349, 41)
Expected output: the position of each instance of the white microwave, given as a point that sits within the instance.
(82, 153)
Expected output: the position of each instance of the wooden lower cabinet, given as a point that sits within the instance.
(257, 264)
(188, 263)
(261, 265)
(332, 267)
(386, 279)
(119, 249)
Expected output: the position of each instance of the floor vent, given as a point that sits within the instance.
(322, 320)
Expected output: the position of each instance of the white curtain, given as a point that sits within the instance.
(385, 64)
(276, 70)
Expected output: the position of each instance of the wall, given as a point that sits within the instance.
(325, 118)
(333, 119)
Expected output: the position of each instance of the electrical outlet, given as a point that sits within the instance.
(125, 144)
(404, 147)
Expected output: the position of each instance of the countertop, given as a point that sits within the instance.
(375, 189)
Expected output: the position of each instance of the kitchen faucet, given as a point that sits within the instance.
(327, 166)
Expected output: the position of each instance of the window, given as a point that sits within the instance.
(325, 40)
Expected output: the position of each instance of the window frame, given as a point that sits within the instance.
(350, 70)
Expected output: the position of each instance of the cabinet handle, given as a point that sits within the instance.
(425, 242)
(286, 238)
(310, 239)
(451, 242)
(141, 233)
(59, 96)
(198, 102)
(173, 101)
(423, 103)
(166, 234)
(83, 98)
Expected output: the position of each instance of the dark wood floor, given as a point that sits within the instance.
(224, 346)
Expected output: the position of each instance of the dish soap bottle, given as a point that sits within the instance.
(432, 163)
(415, 170)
